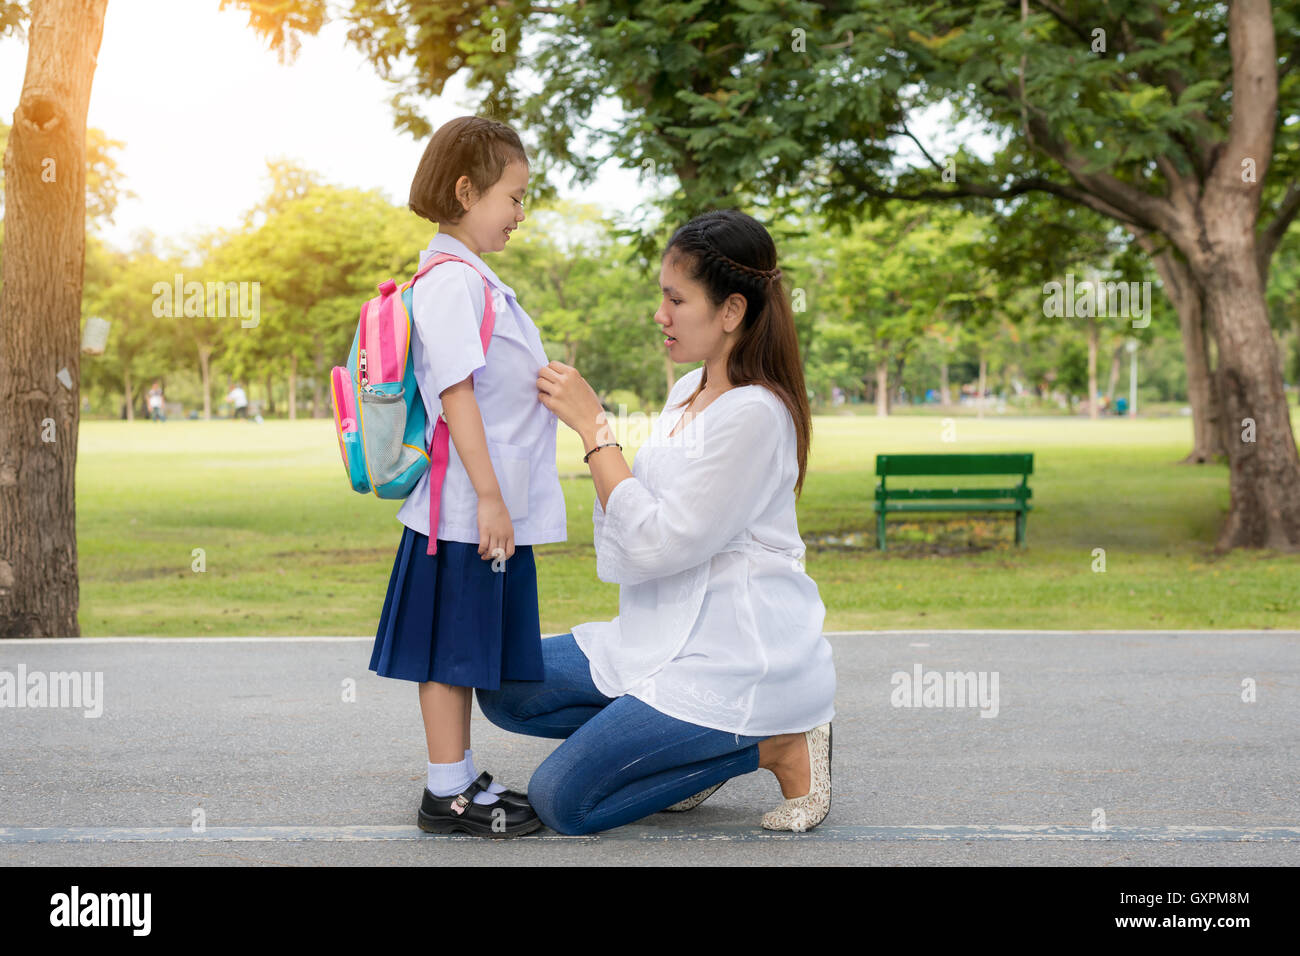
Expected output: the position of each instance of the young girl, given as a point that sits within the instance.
(462, 612)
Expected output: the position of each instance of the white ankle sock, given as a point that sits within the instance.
(493, 787)
(449, 779)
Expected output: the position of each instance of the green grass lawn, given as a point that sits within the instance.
(289, 549)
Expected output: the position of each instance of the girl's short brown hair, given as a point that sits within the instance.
(466, 146)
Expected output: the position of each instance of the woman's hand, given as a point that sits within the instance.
(566, 393)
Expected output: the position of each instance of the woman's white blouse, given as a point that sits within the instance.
(718, 623)
(447, 305)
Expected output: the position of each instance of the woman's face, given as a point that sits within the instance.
(694, 329)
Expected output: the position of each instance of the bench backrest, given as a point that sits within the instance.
(1018, 463)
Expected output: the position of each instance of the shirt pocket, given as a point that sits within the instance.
(512, 464)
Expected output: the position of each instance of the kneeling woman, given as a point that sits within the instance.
(715, 665)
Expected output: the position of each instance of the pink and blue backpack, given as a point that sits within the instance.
(381, 437)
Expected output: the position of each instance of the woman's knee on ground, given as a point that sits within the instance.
(556, 793)
(495, 705)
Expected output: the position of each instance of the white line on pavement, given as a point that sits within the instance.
(642, 834)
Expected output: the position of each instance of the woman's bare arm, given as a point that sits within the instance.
(608, 466)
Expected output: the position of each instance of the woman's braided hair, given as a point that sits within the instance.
(729, 252)
(762, 275)
(705, 236)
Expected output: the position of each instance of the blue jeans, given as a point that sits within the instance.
(621, 759)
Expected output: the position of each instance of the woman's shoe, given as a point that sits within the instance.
(690, 803)
(460, 814)
(804, 813)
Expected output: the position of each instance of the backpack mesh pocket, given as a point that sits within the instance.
(383, 423)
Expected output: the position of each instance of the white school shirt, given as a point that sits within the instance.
(718, 624)
(447, 306)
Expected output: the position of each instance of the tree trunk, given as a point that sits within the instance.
(1210, 424)
(316, 399)
(293, 387)
(40, 322)
(1215, 230)
(882, 387)
(1133, 384)
(270, 396)
(205, 373)
(318, 376)
(945, 396)
(1092, 367)
(1296, 346)
(1114, 375)
(1264, 466)
(129, 391)
(979, 400)
(1202, 392)
(1213, 224)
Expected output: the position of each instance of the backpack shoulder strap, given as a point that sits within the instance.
(489, 310)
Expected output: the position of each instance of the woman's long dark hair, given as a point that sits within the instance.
(728, 251)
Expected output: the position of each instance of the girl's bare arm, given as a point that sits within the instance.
(466, 425)
(465, 422)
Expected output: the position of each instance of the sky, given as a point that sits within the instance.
(201, 105)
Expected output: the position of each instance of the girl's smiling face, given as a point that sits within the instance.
(487, 224)
(694, 329)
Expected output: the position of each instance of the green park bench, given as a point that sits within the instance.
(950, 499)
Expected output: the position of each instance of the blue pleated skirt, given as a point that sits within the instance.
(448, 617)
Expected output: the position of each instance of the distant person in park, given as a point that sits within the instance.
(462, 612)
(239, 399)
(716, 664)
(156, 410)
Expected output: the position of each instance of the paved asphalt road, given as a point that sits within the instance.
(1148, 727)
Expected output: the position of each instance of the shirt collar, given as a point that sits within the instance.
(442, 242)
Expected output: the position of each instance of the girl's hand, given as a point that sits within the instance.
(567, 394)
(496, 533)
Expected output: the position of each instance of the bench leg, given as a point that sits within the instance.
(880, 529)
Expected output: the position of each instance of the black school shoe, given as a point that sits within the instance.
(460, 814)
(513, 798)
